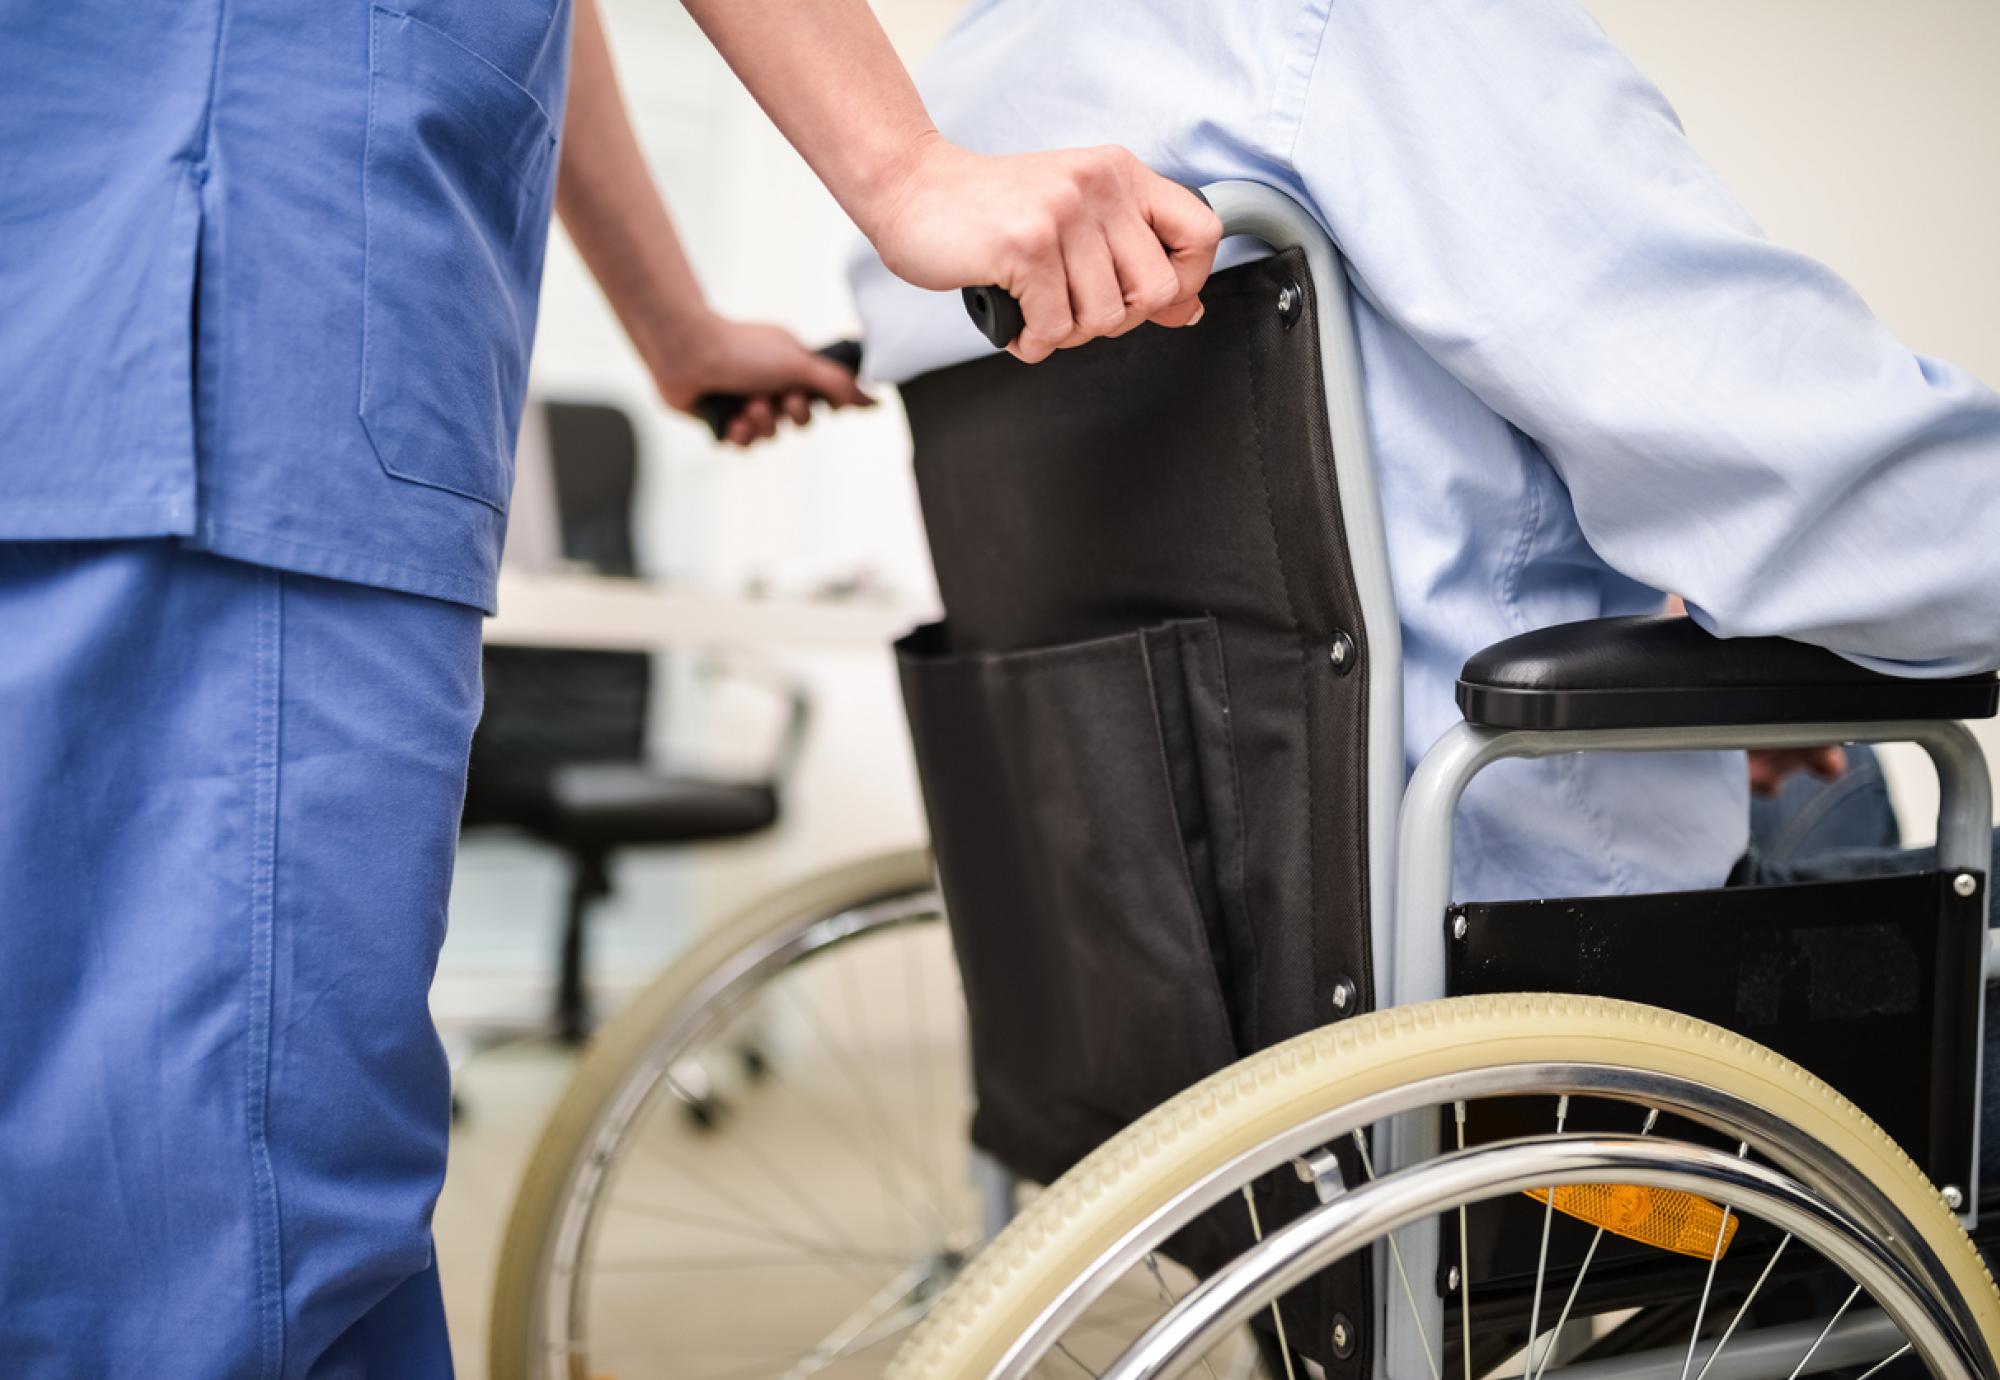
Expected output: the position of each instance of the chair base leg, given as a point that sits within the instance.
(589, 881)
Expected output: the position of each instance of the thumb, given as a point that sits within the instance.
(829, 380)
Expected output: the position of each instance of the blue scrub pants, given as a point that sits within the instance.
(229, 802)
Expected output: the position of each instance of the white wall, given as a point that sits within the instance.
(831, 503)
(1865, 132)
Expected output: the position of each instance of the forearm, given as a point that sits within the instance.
(1728, 419)
(824, 72)
(1090, 242)
(612, 210)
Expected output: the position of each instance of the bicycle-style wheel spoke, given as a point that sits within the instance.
(1402, 1273)
(1661, 1219)
(1542, 1258)
(814, 1182)
(1277, 1318)
(1886, 1361)
(1820, 1340)
(1596, 1240)
(1743, 1309)
(1708, 1284)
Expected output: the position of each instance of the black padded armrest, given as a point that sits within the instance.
(1662, 672)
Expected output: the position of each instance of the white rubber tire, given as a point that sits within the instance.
(614, 1052)
(1066, 1229)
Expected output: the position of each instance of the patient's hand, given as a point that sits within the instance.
(1090, 241)
(1770, 768)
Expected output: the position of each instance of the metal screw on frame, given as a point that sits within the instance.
(1342, 654)
(1458, 925)
(1965, 884)
(1343, 996)
(1291, 300)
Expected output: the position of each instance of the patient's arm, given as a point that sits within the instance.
(1091, 242)
(614, 214)
(1729, 418)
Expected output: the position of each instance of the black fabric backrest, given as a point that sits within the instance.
(1143, 759)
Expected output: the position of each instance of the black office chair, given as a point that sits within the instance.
(560, 752)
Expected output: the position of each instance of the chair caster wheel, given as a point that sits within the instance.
(756, 1063)
(696, 1091)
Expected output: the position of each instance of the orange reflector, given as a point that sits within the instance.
(1662, 1217)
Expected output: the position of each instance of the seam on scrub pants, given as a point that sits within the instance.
(258, 990)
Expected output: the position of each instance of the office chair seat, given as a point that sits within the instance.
(1654, 671)
(597, 806)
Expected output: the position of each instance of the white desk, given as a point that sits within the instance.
(594, 611)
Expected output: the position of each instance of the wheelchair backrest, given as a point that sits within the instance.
(1143, 726)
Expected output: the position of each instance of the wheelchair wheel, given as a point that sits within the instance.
(760, 1167)
(1786, 1234)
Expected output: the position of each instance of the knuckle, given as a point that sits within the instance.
(1096, 174)
(1161, 289)
(1048, 335)
(1033, 238)
(1113, 160)
(1066, 198)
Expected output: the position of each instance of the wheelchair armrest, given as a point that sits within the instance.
(1656, 671)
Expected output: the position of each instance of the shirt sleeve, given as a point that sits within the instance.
(1730, 419)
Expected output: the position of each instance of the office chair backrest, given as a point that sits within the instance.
(1142, 727)
(595, 454)
(546, 706)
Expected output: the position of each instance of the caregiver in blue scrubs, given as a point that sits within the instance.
(268, 276)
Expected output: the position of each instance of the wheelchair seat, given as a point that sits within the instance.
(1656, 671)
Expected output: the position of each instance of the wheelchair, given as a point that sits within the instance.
(1300, 1111)
(782, 1107)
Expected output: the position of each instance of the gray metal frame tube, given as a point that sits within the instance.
(1424, 878)
(1264, 213)
(1965, 805)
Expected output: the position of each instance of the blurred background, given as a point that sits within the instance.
(1866, 134)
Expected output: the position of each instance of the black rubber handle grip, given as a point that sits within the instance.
(720, 409)
(996, 312)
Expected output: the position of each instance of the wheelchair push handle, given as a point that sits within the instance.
(997, 312)
(720, 409)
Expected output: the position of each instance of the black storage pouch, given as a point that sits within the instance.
(1083, 812)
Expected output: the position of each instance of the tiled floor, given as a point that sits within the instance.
(747, 1246)
(506, 1096)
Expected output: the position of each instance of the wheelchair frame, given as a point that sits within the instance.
(1411, 829)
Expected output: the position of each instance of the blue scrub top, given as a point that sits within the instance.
(268, 275)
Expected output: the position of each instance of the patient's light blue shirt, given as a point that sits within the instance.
(1590, 377)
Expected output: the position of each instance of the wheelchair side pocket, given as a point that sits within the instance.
(1083, 811)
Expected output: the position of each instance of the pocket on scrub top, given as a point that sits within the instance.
(1083, 811)
(456, 190)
